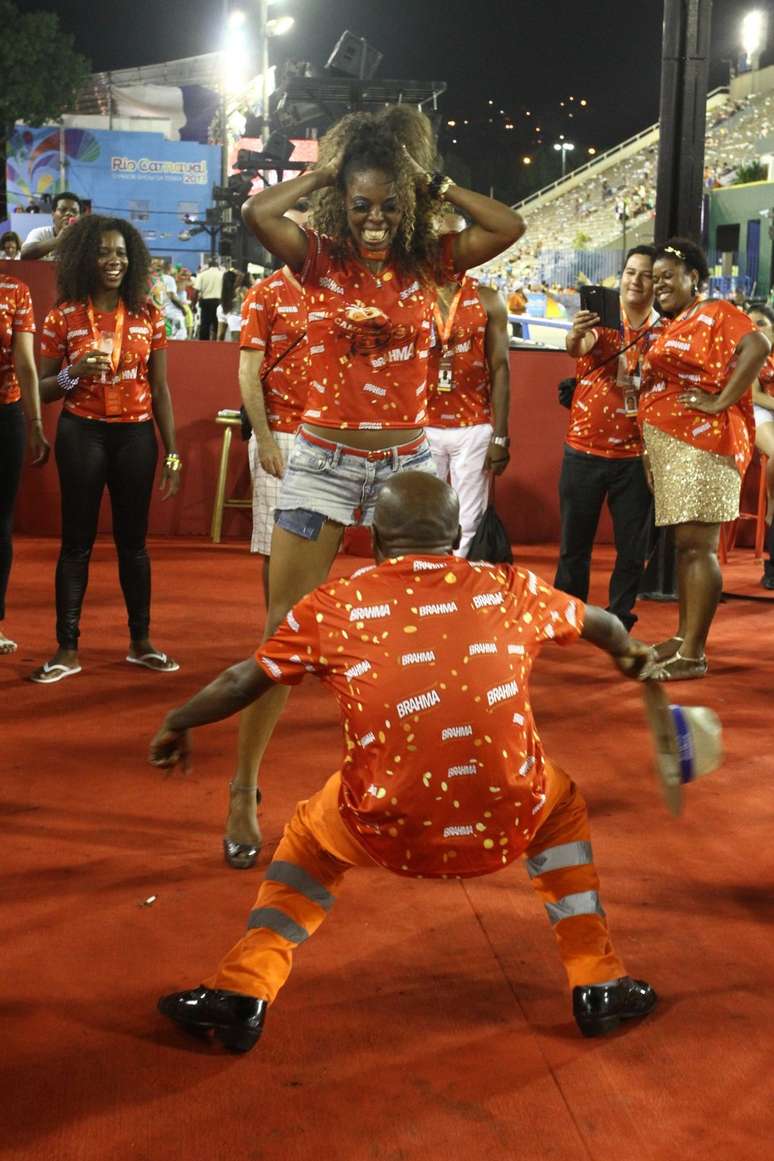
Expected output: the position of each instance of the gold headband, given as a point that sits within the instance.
(675, 251)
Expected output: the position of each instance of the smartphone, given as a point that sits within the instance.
(604, 301)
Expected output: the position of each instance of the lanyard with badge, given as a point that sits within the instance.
(629, 377)
(111, 345)
(443, 330)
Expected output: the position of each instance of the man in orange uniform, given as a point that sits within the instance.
(469, 393)
(603, 448)
(443, 776)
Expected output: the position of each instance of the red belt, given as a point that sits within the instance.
(384, 453)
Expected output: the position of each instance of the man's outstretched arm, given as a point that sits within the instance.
(233, 690)
(635, 659)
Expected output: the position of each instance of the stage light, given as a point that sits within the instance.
(753, 33)
(584, 102)
(452, 122)
(234, 54)
(526, 161)
(591, 151)
(279, 26)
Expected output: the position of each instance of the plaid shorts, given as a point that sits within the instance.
(266, 489)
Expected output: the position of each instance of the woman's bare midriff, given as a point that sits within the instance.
(365, 440)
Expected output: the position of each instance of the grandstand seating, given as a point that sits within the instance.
(592, 205)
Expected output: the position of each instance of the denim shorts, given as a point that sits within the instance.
(333, 484)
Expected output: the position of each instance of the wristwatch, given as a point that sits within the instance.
(501, 440)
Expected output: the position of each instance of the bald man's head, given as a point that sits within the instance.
(416, 512)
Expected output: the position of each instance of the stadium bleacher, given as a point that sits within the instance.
(585, 218)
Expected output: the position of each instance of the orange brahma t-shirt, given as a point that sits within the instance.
(274, 321)
(598, 424)
(468, 401)
(15, 315)
(125, 397)
(429, 659)
(697, 350)
(369, 338)
(766, 376)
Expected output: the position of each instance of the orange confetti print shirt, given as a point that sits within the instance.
(273, 318)
(468, 402)
(15, 315)
(697, 350)
(369, 339)
(598, 424)
(67, 335)
(430, 660)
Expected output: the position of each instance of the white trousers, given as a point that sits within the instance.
(459, 454)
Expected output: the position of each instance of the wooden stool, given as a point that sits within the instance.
(730, 531)
(228, 420)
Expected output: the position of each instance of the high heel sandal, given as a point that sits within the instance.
(241, 856)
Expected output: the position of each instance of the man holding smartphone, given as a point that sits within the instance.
(43, 240)
(603, 449)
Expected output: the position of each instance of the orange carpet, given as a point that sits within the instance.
(425, 1020)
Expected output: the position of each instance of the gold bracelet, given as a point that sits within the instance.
(173, 461)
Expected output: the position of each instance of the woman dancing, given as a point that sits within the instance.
(103, 353)
(369, 269)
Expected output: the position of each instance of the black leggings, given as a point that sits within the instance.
(91, 453)
(12, 441)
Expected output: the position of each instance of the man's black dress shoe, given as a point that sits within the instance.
(767, 581)
(236, 1019)
(599, 1008)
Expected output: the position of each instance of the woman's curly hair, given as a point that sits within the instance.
(375, 141)
(77, 266)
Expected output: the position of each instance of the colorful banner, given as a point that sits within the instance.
(139, 176)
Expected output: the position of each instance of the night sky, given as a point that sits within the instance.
(523, 55)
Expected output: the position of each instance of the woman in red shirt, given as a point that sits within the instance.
(369, 269)
(18, 398)
(697, 425)
(103, 353)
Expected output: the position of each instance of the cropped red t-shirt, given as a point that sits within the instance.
(369, 338)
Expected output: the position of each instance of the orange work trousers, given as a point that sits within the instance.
(300, 885)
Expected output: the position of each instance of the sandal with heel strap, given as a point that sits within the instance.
(664, 672)
(241, 856)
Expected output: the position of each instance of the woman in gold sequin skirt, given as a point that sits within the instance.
(697, 425)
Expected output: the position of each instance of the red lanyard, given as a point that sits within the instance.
(111, 390)
(444, 329)
(118, 335)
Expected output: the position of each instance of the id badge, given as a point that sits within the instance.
(445, 382)
(112, 398)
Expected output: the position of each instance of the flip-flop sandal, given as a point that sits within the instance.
(7, 646)
(48, 674)
(167, 664)
(664, 672)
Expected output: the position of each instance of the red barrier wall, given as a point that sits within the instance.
(203, 378)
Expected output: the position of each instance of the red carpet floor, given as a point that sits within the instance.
(424, 1021)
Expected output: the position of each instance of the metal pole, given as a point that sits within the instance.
(684, 74)
(263, 16)
(223, 107)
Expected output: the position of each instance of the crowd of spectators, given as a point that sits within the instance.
(592, 216)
